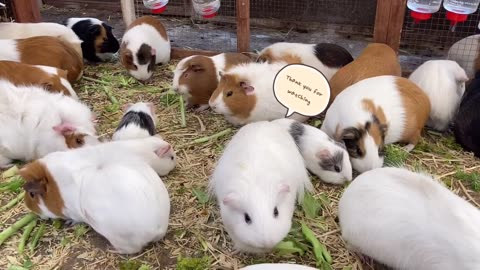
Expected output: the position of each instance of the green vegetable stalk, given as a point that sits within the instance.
(13, 202)
(26, 234)
(319, 250)
(37, 237)
(16, 226)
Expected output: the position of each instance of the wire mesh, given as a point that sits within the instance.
(6, 14)
(433, 39)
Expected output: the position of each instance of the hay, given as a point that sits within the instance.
(195, 228)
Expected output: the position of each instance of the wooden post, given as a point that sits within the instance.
(128, 11)
(26, 11)
(243, 25)
(382, 18)
(397, 16)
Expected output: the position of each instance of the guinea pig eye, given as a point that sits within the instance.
(171, 157)
(79, 141)
(247, 219)
(185, 75)
(31, 194)
(135, 66)
(229, 93)
(359, 152)
(336, 168)
(275, 212)
(381, 152)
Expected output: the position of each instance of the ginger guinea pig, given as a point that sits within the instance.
(404, 220)
(197, 76)
(144, 44)
(50, 78)
(37, 122)
(46, 51)
(28, 30)
(374, 112)
(325, 57)
(115, 192)
(245, 94)
(256, 182)
(99, 44)
(376, 59)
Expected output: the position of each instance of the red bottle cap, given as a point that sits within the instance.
(419, 16)
(159, 10)
(209, 16)
(454, 18)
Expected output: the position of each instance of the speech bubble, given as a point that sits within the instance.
(301, 89)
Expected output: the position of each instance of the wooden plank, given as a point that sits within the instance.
(128, 11)
(395, 25)
(382, 18)
(243, 25)
(26, 11)
(179, 53)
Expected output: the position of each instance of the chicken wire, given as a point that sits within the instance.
(432, 39)
(6, 14)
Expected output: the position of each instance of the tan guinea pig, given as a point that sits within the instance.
(376, 59)
(44, 50)
(197, 76)
(51, 79)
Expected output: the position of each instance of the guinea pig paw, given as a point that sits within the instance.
(202, 108)
(409, 147)
(71, 222)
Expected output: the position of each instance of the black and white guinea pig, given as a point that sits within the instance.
(138, 121)
(98, 41)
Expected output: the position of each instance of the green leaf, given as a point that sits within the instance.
(10, 172)
(311, 206)
(28, 264)
(144, 267)
(473, 178)
(193, 263)
(130, 265)
(317, 123)
(288, 247)
(201, 195)
(81, 229)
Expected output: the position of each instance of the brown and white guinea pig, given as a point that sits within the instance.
(144, 44)
(327, 58)
(245, 94)
(50, 78)
(375, 112)
(197, 76)
(116, 192)
(27, 30)
(46, 51)
(376, 59)
(99, 44)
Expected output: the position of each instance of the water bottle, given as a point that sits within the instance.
(421, 10)
(458, 10)
(206, 8)
(156, 6)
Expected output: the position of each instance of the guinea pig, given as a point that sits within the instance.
(327, 58)
(28, 30)
(376, 59)
(99, 44)
(444, 83)
(323, 156)
(197, 76)
(374, 112)
(464, 51)
(51, 79)
(46, 51)
(256, 182)
(117, 194)
(144, 44)
(408, 220)
(138, 121)
(36, 122)
(243, 96)
(467, 121)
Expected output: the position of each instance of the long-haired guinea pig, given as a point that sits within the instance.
(464, 51)
(323, 156)
(114, 192)
(327, 58)
(376, 59)
(138, 121)
(245, 94)
(36, 122)
(50, 78)
(467, 121)
(144, 44)
(46, 51)
(197, 76)
(99, 44)
(374, 112)
(444, 83)
(28, 30)
(277, 266)
(256, 182)
(408, 220)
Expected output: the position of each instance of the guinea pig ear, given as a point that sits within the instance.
(153, 51)
(151, 107)
(351, 133)
(126, 106)
(196, 67)
(163, 151)
(35, 188)
(460, 75)
(249, 90)
(231, 200)
(323, 154)
(64, 129)
(94, 29)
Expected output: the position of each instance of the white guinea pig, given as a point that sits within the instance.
(114, 192)
(374, 112)
(256, 182)
(245, 94)
(409, 221)
(277, 266)
(144, 44)
(323, 156)
(138, 121)
(444, 83)
(35, 122)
